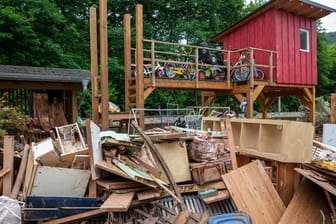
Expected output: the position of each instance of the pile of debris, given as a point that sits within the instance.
(171, 175)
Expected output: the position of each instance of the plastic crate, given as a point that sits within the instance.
(232, 218)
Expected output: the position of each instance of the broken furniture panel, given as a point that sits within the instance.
(45, 153)
(253, 192)
(279, 140)
(309, 205)
(176, 156)
(56, 181)
(70, 139)
(94, 146)
(207, 172)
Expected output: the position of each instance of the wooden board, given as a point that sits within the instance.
(114, 184)
(118, 202)
(55, 181)
(30, 174)
(115, 170)
(95, 150)
(8, 163)
(144, 195)
(316, 179)
(222, 195)
(45, 153)
(175, 153)
(253, 192)
(306, 205)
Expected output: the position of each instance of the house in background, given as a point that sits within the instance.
(287, 27)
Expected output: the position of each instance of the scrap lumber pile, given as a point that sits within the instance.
(171, 175)
(73, 175)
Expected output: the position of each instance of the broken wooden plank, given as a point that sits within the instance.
(115, 170)
(79, 216)
(222, 195)
(118, 202)
(3, 172)
(308, 205)
(95, 151)
(253, 192)
(144, 195)
(21, 173)
(8, 163)
(227, 128)
(111, 184)
(317, 180)
(30, 174)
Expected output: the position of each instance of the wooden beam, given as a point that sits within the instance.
(103, 64)
(8, 163)
(83, 215)
(226, 127)
(257, 90)
(21, 173)
(148, 91)
(74, 107)
(239, 97)
(127, 58)
(40, 85)
(140, 102)
(333, 108)
(94, 65)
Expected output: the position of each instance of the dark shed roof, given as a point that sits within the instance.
(305, 8)
(43, 74)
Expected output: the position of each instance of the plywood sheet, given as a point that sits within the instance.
(55, 181)
(95, 150)
(175, 153)
(253, 192)
(118, 202)
(306, 206)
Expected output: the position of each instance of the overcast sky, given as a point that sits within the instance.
(329, 22)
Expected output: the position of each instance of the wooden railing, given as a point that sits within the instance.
(158, 54)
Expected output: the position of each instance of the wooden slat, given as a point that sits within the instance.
(306, 206)
(118, 202)
(148, 195)
(222, 195)
(77, 216)
(115, 170)
(8, 163)
(253, 192)
(118, 184)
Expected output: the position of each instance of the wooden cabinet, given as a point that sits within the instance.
(279, 140)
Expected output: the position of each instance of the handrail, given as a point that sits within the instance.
(155, 54)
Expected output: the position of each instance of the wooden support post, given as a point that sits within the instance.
(271, 68)
(140, 102)
(94, 65)
(8, 163)
(250, 103)
(74, 105)
(313, 107)
(333, 108)
(104, 64)
(228, 129)
(127, 58)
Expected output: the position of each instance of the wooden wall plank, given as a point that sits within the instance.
(253, 192)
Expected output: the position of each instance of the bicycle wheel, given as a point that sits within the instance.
(191, 72)
(258, 74)
(241, 74)
(168, 69)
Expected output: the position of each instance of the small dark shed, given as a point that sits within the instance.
(285, 26)
(61, 85)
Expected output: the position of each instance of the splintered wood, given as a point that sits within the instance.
(253, 192)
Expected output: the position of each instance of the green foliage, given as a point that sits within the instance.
(331, 38)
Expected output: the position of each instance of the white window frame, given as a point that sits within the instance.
(307, 40)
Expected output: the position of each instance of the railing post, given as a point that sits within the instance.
(252, 64)
(153, 62)
(196, 69)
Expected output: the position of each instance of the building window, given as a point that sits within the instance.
(304, 40)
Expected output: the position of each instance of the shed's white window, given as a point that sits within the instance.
(304, 40)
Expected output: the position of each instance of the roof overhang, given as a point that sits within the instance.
(304, 8)
(43, 74)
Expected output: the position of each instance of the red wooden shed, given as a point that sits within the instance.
(287, 27)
